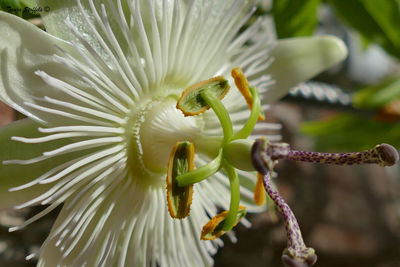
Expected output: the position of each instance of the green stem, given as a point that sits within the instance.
(231, 218)
(221, 112)
(201, 173)
(252, 120)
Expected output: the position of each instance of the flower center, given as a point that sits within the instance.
(152, 131)
(162, 127)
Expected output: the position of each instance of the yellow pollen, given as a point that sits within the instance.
(259, 191)
(243, 85)
(211, 230)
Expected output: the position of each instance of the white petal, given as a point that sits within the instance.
(129, 227)
(299, 59)
(23, 49)
(62, 10)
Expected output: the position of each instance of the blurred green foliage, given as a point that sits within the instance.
(376, 21)
(295, 17)
(377, 96)
(25, 9)
(350, 132)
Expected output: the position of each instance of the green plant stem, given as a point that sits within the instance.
(231, 218)
(252, 120)
(201, 173)
(221, 112)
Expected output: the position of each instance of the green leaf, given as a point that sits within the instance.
(295, 17)
(379, 95)
(377, 21)
(348, 132)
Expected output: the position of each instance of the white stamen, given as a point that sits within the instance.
(82, 128)
(85, 206)
(88, 111)
(136, 88)
(43, 176)
(66, 114)
(95, 75)
(25, 162)
(111, 38)
(73, 91)
(82, 145)
(70, 186)
(47, 138)
(99, 178)
(150, 68)
(83, 162)
(99, 67)
(42, 213)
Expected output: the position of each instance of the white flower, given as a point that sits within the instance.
(101, 88)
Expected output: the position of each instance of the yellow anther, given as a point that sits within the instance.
(259, 191)
(179, 199)
(191, 103)
(243, 85)
(213, 229)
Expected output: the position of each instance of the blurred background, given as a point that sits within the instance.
(349, 215)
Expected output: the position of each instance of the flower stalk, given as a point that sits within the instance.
(382, 154)
(296, 251)
(264, 157)
(230, 219)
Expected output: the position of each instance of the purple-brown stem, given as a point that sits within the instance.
(383, 154)
(264, 157)
(296, 252)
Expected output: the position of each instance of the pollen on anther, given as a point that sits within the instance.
(259, 191)
(213, 229)
(191, 103)
(179, 199)
(243, 85)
